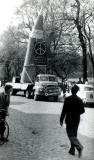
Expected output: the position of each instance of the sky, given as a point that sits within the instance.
(7, 9)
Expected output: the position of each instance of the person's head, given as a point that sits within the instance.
(74, 89)
(8, 89)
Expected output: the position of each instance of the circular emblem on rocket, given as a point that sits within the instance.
(40, 48)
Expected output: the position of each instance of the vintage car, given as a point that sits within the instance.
(86, 93)
(46, 85)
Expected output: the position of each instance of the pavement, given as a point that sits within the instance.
(40, 137)
(36, 135)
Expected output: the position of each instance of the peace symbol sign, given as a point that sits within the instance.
(40, 48)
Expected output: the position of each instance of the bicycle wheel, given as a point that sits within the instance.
(6, 132)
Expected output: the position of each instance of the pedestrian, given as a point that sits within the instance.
(4, 105)
(72, 109)
(80, 81)
(64, 87)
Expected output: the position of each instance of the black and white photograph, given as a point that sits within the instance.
(47, 79)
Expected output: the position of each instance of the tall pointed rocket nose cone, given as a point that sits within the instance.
(37, 31)
(29, 69)
(39, 23)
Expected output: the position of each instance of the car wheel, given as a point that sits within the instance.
(32, 94)
(14, 92)
(35, 97)
(55, 98)
(27, 94)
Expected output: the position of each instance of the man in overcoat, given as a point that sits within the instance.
(72, 109)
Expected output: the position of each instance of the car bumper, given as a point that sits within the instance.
(51, 94)
(89, 104)
(47, 94)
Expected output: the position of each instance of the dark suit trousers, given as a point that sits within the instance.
(71, 130)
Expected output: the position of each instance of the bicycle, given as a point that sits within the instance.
(3, 126)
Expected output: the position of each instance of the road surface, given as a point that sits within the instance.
(41, 107)
(35, 133)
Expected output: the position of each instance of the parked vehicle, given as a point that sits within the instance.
(18, 86)
(86, 93)
(46, 85)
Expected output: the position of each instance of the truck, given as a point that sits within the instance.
(45, 86)
(17, 86)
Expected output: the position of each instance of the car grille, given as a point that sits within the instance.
(51, 89)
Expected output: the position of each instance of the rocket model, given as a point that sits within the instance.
(36, 57)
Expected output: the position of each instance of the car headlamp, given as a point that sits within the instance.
(41, 88)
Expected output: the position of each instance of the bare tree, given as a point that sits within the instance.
(89, 37)
(60, 30)
(11, 53)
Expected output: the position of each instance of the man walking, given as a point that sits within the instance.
(72, 109)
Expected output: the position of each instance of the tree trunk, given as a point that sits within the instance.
(92, 66)
(84, 51)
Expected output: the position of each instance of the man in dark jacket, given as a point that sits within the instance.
(72, 109)
(4, 105)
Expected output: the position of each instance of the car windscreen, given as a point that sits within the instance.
(52, 79)
(48, 78)
(44, 78)
(89, 89)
